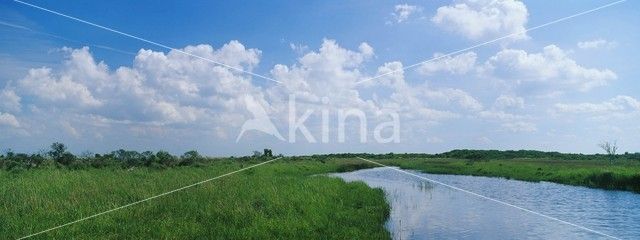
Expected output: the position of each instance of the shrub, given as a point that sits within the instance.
(66, 159)
(166, 159)
(100, 161)
(190, 158)
(148, 158)
(128, 158)
(36, 160)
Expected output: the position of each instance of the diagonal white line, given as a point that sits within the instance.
(147, 199)
(488, 198)
(492, 41)
(17, 26)
(145, 40)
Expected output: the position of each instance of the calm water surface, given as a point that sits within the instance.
(422, 210)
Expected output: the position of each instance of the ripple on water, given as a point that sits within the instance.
(420, 209)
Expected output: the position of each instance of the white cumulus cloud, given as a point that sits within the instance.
(10, 120)
(596, 44)
(404, 11)
(459, 64)
(158, 89)
(450, 95)
(331, 71)
(552, 66)
(164, 93)
(484, 18)
(620, 103)
(46, 86)
(9, 100)
(508, 101)
(520, 126)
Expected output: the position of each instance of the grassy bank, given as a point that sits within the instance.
(285, 199)
(280, 200)
(620, 175)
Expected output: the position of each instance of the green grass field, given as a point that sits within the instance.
(285, 199)
(280, 200)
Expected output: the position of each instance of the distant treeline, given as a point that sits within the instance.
(487, 155)
(58, 156)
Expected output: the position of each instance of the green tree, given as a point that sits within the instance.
(60, 155)
(57, 150)
(268, 153)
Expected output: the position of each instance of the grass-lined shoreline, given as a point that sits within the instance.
(618, 172)
(285, 199)
(595, 174)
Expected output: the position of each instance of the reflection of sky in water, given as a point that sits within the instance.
(423, 210)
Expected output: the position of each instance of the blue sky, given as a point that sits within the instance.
(564, 87)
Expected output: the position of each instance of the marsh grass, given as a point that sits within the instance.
(280, 200)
